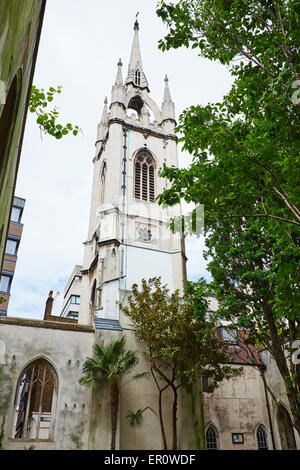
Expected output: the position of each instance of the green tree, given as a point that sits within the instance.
(246, 280)
(245, 166)
(47, 120)
(107, 366)
(254, 133)
(181, 343)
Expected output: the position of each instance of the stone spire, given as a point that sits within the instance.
(168, 107)
(136, 74)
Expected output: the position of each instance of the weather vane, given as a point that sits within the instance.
(136, 24)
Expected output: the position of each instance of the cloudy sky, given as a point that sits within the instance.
(81, 43)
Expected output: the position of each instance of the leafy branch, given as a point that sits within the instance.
(47, 121)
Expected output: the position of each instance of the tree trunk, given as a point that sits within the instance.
(114, 406)
(175, 401)
(161, 421)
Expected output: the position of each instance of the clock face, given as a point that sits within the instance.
(145, 235)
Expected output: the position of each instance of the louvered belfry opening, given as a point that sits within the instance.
(137, 77)
(144, 177)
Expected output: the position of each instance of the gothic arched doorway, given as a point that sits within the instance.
(285, 428)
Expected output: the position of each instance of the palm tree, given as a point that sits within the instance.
(108, 365)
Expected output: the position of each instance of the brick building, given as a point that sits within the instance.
(10, 253)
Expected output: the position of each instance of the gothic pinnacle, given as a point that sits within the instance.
(167, 94)
(104, 113)
(168, 108)
(119, 78)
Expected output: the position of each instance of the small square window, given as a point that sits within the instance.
(237, 438)
(11, 247)
(229, 336)
(16, 214)
(5, 282)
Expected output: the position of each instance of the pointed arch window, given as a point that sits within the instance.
(35, 402)
(211, 437)
(102, 183)
(261, 437)
(94, 296)
(137, 77)
(144, 179)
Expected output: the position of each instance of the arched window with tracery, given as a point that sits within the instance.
(35, 401)
(144, 180)
(261, 437)
(211, 437)
(137, 77)
(102, 183)
(285, 428)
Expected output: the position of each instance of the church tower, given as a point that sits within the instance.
(129, 238)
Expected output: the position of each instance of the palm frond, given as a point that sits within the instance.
(135, 420)
(108, 363)
(142, 375)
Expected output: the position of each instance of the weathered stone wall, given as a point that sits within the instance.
(277, 386)
(238, 406)
(66, 347)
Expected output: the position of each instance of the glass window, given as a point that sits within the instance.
(230, 336)
(73, 315)
(5, 283)
(34, 411)
(144, 177)
(16, 214)
(11, 247)
(261, 437)
(137, 77)
(211, 438)
(75, 299)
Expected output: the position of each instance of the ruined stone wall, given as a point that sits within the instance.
(66, 347)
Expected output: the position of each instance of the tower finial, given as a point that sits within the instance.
(136, 75)
(119, 64)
